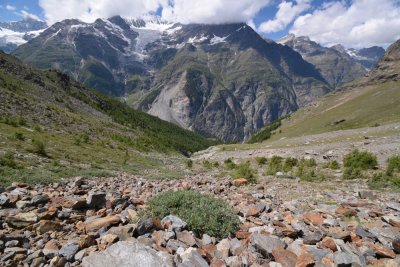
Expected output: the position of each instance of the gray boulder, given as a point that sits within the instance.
(127, 254)
(174, 223)
(265, 244)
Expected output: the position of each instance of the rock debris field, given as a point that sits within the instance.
(285, 223)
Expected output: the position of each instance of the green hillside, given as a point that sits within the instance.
(52, 127)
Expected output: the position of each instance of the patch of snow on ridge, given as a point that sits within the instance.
(217, 40)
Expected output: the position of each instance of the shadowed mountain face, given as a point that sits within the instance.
(337, 64)
(219, 80)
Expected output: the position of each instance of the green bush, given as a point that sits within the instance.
(189, 163)
(353, 173)
(207, 164)
(308, 162)
(244, 170)
(202, 213)
(38, 147)
(274, 165)
(309, 174)
(261, 160)
(362, 160)
(229, 164)
(289, 164)
(333, 165)
(19, 136)
(13, 120)
(393, 165)
(383, 180)
(8, 160)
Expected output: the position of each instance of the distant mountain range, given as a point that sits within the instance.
(337, 64)
(16, 33)
(223, 81)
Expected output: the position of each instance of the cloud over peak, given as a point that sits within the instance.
(360, 23)
(193, 11)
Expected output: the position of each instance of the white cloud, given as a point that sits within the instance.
(287, 12)
(362, 23)
(185, 11)
(10, 7)
(27, 15)
(90, 10)
(212, 11)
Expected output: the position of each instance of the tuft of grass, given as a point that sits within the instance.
(360, 159)
(202, 213)
(274, 165)
(333, 165)
(393, 165)
(189, 163)
(8, 160)
(19, 136)
(356, 162)
(244, 170)
(230, 164)
(383, 180)
(39, 148)
(261, 160)
(289, 164)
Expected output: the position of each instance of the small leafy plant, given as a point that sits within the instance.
(202, 213)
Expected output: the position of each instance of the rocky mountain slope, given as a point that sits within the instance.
(368, 57)
(52, 126)
(16, 33)
(336, 64)
(219, 80)
(370, 101)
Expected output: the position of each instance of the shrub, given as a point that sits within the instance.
(333, 165)
(353, 173)
(274, 165)
(39, 148)
(362, 160)
(229, 164)
(261, 160)
(383, 180)
(19, 136)
(309, 174)
(207, 164)
(202, 213)
(13, 121)
(393, 165)
(308, 162)
(8, 160)
(189, 163)
(244, 170)
(289, 164)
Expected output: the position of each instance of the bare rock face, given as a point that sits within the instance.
(126, 254)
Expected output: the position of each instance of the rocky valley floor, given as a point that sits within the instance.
(283, 222)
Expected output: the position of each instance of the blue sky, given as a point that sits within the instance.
(353, 23)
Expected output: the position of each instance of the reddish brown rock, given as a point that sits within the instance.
(347, 212)
(239, 182)
(95, 224)
(314, 218)
(285, 257)
(208, 251)
(186, 238)
(242, 235)
(328, 242)
(384, 251)
(305, 259)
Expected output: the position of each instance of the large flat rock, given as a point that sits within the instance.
(127, 254)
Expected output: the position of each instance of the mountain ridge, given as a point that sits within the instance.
(223, 69)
